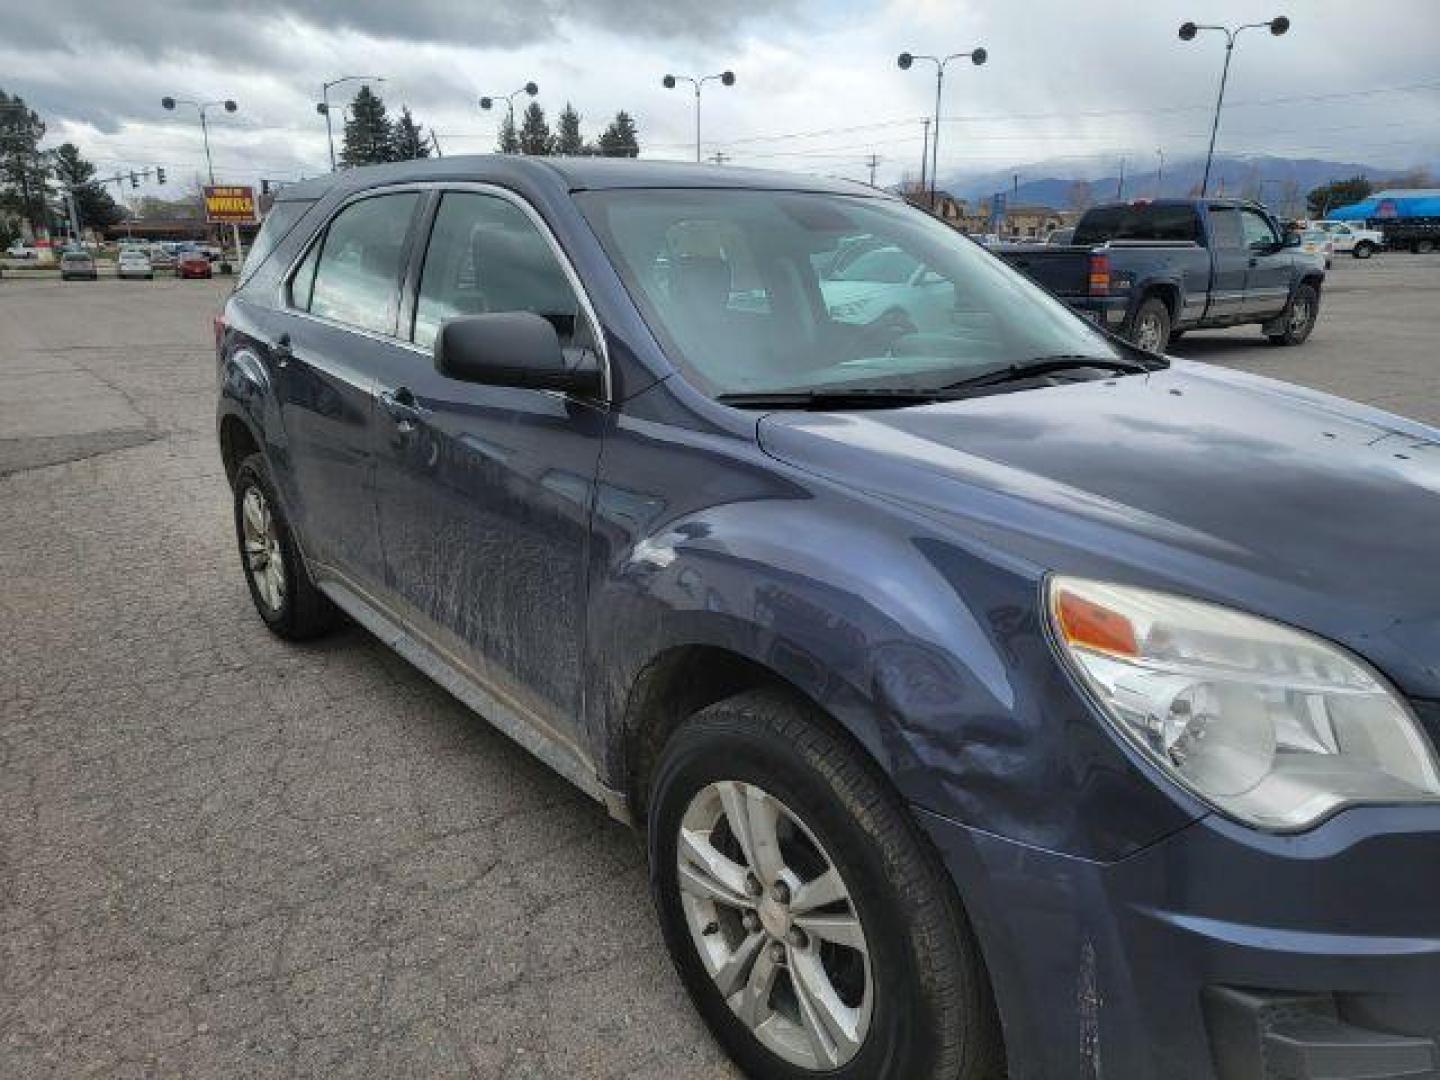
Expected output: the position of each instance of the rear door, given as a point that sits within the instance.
(484, 492)
(1268, 268)
(1230, 260)
(338, 332)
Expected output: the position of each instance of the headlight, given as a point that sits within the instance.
(1270, 725)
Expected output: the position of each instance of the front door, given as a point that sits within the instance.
(484, 493)
(339, 328)
(1267, 280)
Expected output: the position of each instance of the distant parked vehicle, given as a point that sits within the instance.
(1418, 234)
(891, 291)
(1319, 243)
(21, 251)
(1152, 269)
(161, 258)
(134, 263)
(1351, 238)
(78, 266)
(193, 264)
(1061, 236)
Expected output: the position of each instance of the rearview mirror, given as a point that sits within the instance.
(514, 348)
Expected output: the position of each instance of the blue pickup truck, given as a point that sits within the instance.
(1152, 269)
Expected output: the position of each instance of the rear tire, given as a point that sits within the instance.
(285, 597)
(1364, 249)
(1424, 247)
(1149, 327)
(912, 998)
(1299, 317)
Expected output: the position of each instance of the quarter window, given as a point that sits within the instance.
(355, 277)
(485, 256)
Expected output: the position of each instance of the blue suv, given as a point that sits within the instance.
(997, 698)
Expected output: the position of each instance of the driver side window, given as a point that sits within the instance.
(1259, 234)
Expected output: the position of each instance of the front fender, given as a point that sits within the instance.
(930, 651)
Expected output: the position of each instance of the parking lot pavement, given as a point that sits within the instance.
(221, 855)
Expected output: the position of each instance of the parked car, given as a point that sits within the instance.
(989, 701)
(889, 289)
(1064, 235)
(21, 251)
(1319, 243)
(161, 258)
(78, 265)
(1352, 238)
(193, 264)
(133, 263)
(1150, 270)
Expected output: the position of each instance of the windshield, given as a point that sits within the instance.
(754, 291)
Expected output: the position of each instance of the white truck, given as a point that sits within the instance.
(1353, 237)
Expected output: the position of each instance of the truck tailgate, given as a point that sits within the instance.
(1063, 269)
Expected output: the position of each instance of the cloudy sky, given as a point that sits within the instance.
(817, 87)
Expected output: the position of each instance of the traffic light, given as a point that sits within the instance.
(159, 174)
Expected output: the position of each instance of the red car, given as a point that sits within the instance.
(192, 265)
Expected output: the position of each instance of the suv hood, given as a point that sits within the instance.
(1289, 503)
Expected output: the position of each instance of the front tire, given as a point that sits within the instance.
(285, 597)
(804, 911)
(1299, 317)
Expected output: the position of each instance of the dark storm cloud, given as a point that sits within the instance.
(242, 30)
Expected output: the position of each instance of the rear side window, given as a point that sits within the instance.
(1225, 228)
(486, 255)
(1140, 221)
(353, 274)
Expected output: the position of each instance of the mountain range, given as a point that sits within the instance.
(1055, 183)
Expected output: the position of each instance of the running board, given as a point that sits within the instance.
(534, 737)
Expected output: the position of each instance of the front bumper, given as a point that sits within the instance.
(1219, 953)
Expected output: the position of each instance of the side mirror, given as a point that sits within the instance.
(513, 348)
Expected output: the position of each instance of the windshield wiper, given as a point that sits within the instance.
(877, 397)
(1049, 365)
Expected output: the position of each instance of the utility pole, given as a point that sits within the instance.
(1120, 187)
(1159, 169)
(925, 155)
(872, 161)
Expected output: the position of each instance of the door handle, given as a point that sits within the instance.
(282, 352)
(402, 407)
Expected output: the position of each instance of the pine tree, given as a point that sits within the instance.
(621, 138)
(367, 131)
(24, 169)
(96, 208)
(407, 138)
(568, 140)
(509, 141)
(535, 137)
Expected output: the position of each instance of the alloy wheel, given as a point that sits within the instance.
(775, 925)
(1147, 334)
(1299, 315)
(264, 561)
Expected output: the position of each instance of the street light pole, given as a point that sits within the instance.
(905, 60)
(323, 108)
(725, 78)
(201, 107)
(1159, 169)
(529, 88)
(1277, 26)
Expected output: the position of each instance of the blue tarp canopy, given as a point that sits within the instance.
(1391, 204)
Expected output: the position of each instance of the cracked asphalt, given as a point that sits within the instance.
(225, 856)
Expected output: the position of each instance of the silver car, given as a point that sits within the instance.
(134, 263)
(78, 264)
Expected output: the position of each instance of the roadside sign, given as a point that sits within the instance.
(229, 204)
